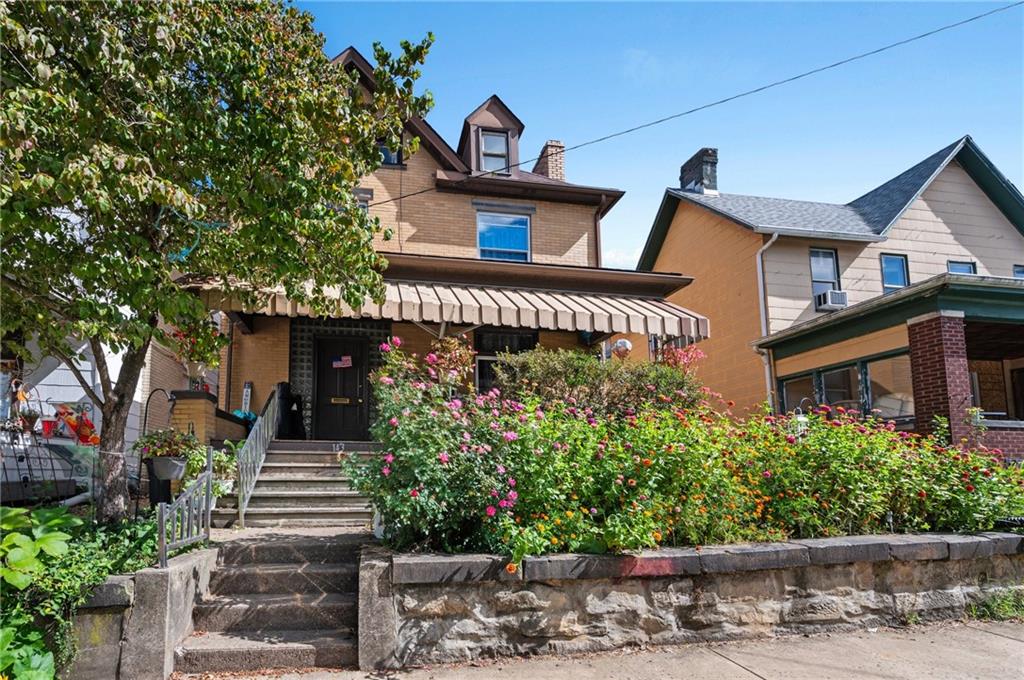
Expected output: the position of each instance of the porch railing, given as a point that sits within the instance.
(254, 452)
(187, 519)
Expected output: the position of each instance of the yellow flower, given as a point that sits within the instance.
(554, 541)
(568, 513)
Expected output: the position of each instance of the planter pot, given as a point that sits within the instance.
(168, 467)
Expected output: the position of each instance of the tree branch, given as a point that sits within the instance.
(100, 358)
(77, 372)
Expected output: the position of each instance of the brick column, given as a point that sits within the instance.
(195, 412)
(938, 364)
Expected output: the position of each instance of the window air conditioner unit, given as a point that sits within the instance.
(830, 300)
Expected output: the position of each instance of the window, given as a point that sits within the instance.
(489, 344)
(891, 389)
(1018, 271)
(503, 237)
(799, 393)
(363, 198)
(961, 267)
(824, 271)
(895, 273)
(841, 387)
(882, 384)
(494, 151)
(389, 157)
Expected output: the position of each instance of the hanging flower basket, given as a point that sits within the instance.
(196, 370)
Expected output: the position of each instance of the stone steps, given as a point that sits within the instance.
(308, 456)
(303, 498)
(296, 517)
(266, 649)
(318, 445)
(271, 611)
(278, 601)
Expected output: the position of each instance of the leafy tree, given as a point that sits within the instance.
(143, 141)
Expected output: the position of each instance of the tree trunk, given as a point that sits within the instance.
(114, 501)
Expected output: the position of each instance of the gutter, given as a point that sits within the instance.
(763, 305)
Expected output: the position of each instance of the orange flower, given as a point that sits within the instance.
(657, 536)
(511, 567)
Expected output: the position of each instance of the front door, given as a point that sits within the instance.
(341, 408)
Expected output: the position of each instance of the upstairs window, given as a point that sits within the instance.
(895, 273)
(961, 267)
(503, 237)
(389, 157)
(824, 271)
(494, 152)
(1018, 271)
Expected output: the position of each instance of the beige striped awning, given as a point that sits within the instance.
(471, 305)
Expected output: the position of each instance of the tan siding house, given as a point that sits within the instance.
(841, 295)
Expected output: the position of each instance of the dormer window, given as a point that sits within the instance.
(494, 151)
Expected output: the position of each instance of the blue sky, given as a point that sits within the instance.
(577, 71)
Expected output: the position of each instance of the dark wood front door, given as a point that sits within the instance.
(341, 408)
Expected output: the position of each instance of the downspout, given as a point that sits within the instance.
(763, 305)
(597, 229)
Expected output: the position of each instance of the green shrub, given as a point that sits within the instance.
(462, 471)
(42, 586)
(574, 377)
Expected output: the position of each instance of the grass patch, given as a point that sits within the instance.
(1005, 606)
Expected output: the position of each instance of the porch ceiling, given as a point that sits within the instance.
(462, 305)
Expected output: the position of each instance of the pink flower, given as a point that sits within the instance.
(503, 503)
(454, 404)
(512, 495)
(384, 347)
(511, 481)
(500, 469)
(393, 422)
(414, 493)
(539, 414)
(396, 341)
(767, 474)
(491, 511)
(389, 458)
(385, 471)
(443, 457)
(791, 439)
(510, 436)
(386, 380)
(431, 359)
(466, 436)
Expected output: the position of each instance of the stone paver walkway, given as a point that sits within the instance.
(960, 651)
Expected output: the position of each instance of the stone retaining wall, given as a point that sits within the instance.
(130, 626)
(425, 609)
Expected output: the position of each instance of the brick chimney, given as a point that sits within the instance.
(700, 173)
(551, 162)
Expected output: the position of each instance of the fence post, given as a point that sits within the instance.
(161, 532)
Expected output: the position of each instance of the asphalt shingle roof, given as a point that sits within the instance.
(868, 216)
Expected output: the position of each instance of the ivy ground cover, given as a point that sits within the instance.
(521, 471)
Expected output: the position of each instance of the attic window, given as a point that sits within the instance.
(389, 157)
(494, 151)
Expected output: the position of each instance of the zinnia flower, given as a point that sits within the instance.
(384, 347)
(431, 359)
(393, 422)
(491, 511)
(385, 471)
(443, 457)
(510, 436)
(396, 341)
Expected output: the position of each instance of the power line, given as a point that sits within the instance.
(719, 102)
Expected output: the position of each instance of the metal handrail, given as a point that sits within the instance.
(254, 452)
(188, 519)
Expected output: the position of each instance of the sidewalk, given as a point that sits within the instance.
(950, 651)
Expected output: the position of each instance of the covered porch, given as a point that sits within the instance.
(950, 347)
(496, 306)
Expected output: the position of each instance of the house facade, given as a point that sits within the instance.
(906, 301)
(481, 246)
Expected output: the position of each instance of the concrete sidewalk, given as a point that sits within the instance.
(951, 651)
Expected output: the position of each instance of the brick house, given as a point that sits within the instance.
(908, 300)
(507, 256)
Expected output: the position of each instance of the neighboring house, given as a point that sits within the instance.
(508, 256)
(908, 300)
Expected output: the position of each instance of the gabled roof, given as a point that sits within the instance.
(430, 139)
(493, 103)
(867, 218)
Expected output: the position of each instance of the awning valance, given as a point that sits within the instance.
(471, 305)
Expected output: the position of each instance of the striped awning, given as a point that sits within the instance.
(468, 305)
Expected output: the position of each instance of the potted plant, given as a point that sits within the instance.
(168, 451)
(29, 417)
(224, 470)
(197, 346)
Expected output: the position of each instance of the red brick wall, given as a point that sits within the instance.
(942, 384)
(1009, 441)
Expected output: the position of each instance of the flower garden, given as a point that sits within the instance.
(570, 454)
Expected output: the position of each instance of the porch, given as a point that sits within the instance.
(496, 306)
(950, 347)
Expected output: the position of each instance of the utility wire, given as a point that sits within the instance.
(719, 102)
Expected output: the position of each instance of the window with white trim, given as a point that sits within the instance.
(895, 272)
(824, 271)
(961, 267)
(503, 236)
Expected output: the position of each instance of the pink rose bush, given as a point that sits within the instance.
(523, 473)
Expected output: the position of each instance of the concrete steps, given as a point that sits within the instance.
(259, 650)
(278, 601)
(302, 484)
